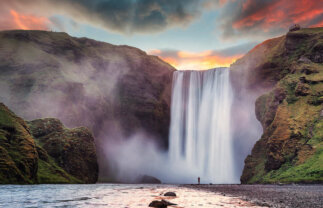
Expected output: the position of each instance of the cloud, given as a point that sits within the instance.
(14, 20)
(122, 16)
(268, 18)
(184, 60)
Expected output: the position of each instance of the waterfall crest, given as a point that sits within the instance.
(200, 135)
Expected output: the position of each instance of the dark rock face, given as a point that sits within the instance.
(285, 75)
(113, 90)
(72, 149)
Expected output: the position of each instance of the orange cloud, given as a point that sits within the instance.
(28, 22)
(281, 13)
(184, 60)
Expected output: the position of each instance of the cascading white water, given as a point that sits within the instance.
(200, 136)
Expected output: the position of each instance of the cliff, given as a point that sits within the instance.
(44, 151)
(116, 91)
(287, 75)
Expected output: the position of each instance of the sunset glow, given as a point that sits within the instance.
(202, 34)
(29, 22)
(183, 60)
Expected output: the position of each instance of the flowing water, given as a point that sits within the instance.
(200, 135)
(110, 195)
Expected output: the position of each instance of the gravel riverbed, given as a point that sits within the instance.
(304, 196)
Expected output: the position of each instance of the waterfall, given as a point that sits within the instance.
(200, 136)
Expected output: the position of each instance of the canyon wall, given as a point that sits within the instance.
(284, 75)
(116, 91)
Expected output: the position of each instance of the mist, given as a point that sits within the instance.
(115, 91)
(121, 94)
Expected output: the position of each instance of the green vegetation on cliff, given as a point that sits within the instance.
(291, 112)
(116, 91)
(25, 157)
(18, 161)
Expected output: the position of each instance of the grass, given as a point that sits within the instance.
(5, 119)
(309, 172)
(50, 173)
(19, 163)
(295, 135)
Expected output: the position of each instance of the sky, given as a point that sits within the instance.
(188, 34)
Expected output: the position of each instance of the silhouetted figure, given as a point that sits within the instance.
(198, 180)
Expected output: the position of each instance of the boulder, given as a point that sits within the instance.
(161, 204)
(304, 59)
(169, 194)
(294, 27)
(148, 179)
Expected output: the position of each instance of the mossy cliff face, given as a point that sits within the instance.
(290, 70)
(18, 154)
(44, 151)
(72, 149)
(116, 91)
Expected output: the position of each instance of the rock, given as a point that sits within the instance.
(161, 204)
(18, 153)
(170, 194)
(291, 120)
(158, 204)
(305, 60)
(302, 79)
(148, 179)
(309, 71)
(24, 162)
(115, 91)
(46, 126)
(73, 149)
(168, 203)
(293, 40)
(317, 54)
(294, 27)
(266, 106)
(42, 154)
(302, 89)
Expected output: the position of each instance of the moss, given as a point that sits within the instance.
(72, 150)
(289, 83)
(259, 172)
(290, 149)
(317, 134)
(49, 172)
(24, 162)
(311, 171)
(19, 161)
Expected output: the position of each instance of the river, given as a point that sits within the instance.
(111, 195)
